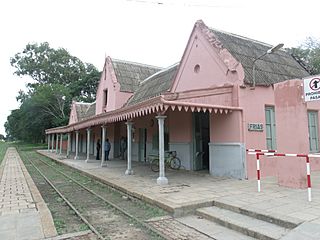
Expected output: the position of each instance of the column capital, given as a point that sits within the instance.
(161, 117)
(103, 126)
(89, 129)
(129, 123)
(76, 131)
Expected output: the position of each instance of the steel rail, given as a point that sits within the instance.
(69, 203)
(142, 223)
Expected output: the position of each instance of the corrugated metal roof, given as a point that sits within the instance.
(130, 74)
(153, 86)
(271, 69)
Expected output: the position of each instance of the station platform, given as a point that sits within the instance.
(188, 191)
(23, 213)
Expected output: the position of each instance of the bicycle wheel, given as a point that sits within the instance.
(175, 163)
(154, 165)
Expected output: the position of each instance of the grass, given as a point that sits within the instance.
(60, 225)
(3, 149)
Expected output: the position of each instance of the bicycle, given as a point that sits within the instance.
(171, 161)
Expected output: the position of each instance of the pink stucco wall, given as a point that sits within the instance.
(213, 66)
(292, 133)
(291, 130)
(73, 114)
(180, 125)
(253, 103)
(226, 128)
(108, 81)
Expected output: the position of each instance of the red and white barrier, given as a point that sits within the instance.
(307, 156)
(258, 173)
(260, 150)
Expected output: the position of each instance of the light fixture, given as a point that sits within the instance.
(269, 51)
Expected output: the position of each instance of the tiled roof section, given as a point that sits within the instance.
(130, 74)
(155, 85)
(85, 110)
(272, 68)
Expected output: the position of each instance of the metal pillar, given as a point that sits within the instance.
(162, 178)
(77, 145)
(57, 142)
(48, 139)
(129, 170)
(102, 144)
(60, 144)
(68, 145)
(52, 141)
(88, 144)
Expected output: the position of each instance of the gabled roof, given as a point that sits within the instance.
(154, 85)
(85, 110)
(130, 74)
(271, 69)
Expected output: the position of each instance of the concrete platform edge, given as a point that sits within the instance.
(47, 223)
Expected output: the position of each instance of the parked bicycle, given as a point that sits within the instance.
(171, 160)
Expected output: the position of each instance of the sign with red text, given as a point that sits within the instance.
(311, 88)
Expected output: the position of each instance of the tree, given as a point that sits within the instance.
(47, 65)
(53, 100)
(308, 54)
(58, 79)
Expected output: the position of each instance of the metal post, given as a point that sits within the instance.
(129, 170)
(258, 172)
(60, 144)
(57, 142)
(102, 145)
(77, 145)
(48, 139)
(308, 178)
(88, 144)
(162, 178)
(68, 145)
(52, 142)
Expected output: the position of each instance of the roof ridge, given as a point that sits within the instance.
(159, 72)
(135, 63)
(83, 103)
(242, 37)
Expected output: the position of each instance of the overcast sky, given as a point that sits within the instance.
(146, 31)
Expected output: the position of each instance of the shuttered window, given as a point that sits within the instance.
(270, 128)
(313, 131)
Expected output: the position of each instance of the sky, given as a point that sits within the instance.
(153, 32)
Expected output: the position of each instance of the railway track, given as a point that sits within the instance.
(95, 206)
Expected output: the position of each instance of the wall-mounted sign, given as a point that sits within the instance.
(311, 88)
(258, 127)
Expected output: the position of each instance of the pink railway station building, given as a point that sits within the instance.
(227, 93)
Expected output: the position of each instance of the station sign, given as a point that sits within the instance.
(311, 88)
(257, 127)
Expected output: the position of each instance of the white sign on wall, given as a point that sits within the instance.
(257, 127)
(311, 88)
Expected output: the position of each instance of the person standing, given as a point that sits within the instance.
(98, 150)
(107, 147)
(123, 147)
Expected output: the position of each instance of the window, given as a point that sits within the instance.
(270, 128)
(313, 131)
(105, 97)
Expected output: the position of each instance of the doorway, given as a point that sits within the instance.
(201, 139)
(142, 144)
